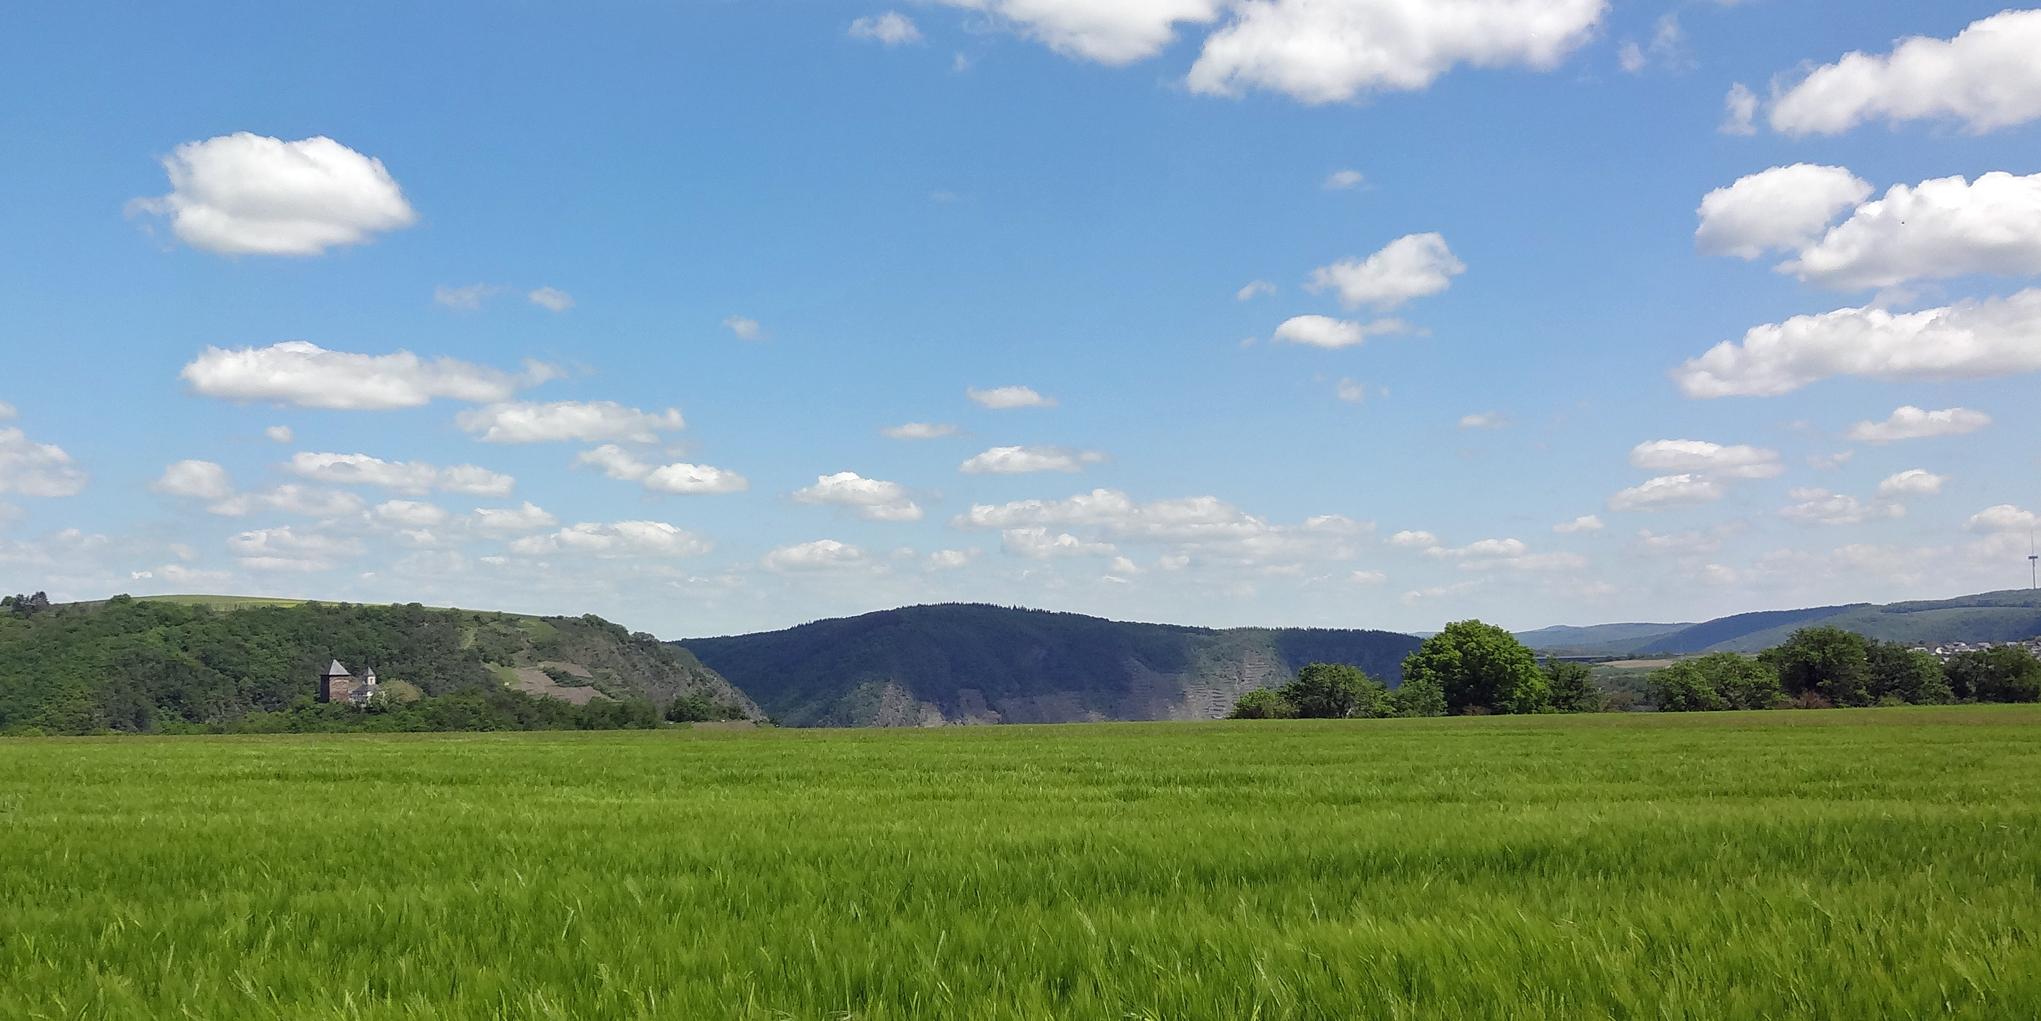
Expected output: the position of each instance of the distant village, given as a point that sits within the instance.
(1948, 650)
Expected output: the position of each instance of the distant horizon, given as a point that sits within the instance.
(1417, 632)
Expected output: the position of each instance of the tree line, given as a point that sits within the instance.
(1472, 668)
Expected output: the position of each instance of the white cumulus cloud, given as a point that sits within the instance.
(744, 328)
(1985, 77)
(1021, 460)
(874, 499)
(249, 194)
(1911, 423)
(1003, 398)
(1039, 543)
(2003, 518)
(1342, 180)
(306, 375)
(1324, 51)
(402, 476)
(1705, 458)
(1967, 340)
(1940, 228)
(511, 520)
(1821, 507)
(919, 431)
(1912, 482)
(819, 555)
(622, 539)
(28, 468)
(1776, 209)
(1328, 332)
(1680, 490)
(1118, 32)
(1412, 266)
(1584, 523)
(585, 421)
(691, 479)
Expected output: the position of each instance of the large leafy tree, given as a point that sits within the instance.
(1825, 661)
(2005, 674)
(1719, 680)
(1419, 696)
(1906, 674)
(1263, 704)
(1573, 687)
(1481, 668)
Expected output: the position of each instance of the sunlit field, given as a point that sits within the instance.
(1840, 864)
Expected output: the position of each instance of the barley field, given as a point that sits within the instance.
(1841, 864)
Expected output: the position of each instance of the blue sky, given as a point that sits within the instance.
(798, 225)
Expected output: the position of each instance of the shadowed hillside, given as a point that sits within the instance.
(969, 663)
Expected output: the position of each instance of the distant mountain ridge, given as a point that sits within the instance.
(975, 663)
(2005, 616)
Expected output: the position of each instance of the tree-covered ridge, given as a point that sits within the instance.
(979, 663)
(142, 665)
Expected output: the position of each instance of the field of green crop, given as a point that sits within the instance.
(1840, 864)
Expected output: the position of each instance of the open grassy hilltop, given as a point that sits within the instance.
(1808, 865)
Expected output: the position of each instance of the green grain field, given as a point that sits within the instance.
(1842, 864)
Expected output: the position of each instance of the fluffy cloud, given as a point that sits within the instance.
(196, 480)
(1002, 398)
(1780, 208)
(691, 479)
(1021, 460)
(891, 28)
(1911, 423)
(287, 549)
(873, 499)
(1702, 457)
(1584, 523)
(1412, 266)
(279, 434)
(29, 468)
(586, 421)
(1327, 332)
(1324, 51)
(247, 194)
(1341, 180)
(1483, 548)
(7, 412)
(680, 477)
(1821, 507)
(1254, 289)
(1204, 524)
(2003, 518)
(402, 476)
(919, 431)
(1667, 491)
(551, 299)
(1120, 32)
(1038, 543)
(744, 328)
(1912, 482)
(511, 520)
(951, 559)
(306, 375)
(1940, 228)
(409, 514)
(623, 539)
(1968, 340)
(819, 555)
(1986, 77)
(1414, 539)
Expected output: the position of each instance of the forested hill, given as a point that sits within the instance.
(2008, 616)
(970, 663)
(145, 665)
